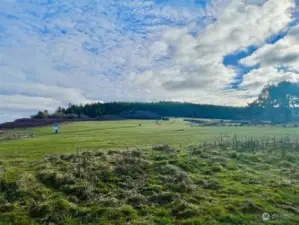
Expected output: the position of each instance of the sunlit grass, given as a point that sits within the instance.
(231, 175)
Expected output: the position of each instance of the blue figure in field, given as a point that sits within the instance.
(56, 128)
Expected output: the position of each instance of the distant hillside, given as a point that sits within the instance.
(129, 110)
(276, 103)
(162, 109)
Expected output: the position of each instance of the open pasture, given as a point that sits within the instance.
(150, 172)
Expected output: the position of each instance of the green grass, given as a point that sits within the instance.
(218, 183)
(122, 134)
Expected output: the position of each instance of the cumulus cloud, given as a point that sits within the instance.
(279, 61)
(285, 52)
(56, 52)
(258, 78)
(199, 60)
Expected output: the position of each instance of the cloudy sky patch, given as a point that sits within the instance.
(55, 52)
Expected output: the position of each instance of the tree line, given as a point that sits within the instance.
(165, 109)
(276, 103)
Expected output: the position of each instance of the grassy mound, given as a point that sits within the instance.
(221, 182)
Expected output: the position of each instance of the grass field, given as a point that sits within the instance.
(123, 134)
(211, 184)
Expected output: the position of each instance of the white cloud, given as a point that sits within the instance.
(78, 51)
(285, 52)
(242, 24)
(232, 98)
(258, 78)
(279, 61)
(27, 103)
(198, 61)
(63, 95)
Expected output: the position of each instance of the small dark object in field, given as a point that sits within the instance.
(139, 125)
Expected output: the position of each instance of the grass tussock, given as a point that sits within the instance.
(221, 182)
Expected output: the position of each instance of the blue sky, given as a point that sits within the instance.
(53, 52)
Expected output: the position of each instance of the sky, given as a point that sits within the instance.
(56, 52)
